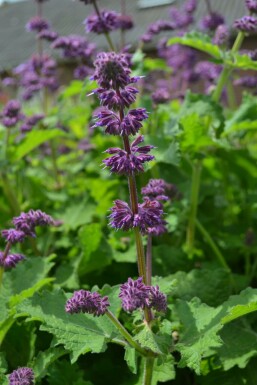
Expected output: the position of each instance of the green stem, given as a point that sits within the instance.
(1, 275)
(227, 69)
(9, 194)
(231, 95)
(148, 370)
(106, 34)
(196, 176)
(125, 333)
(213, 245)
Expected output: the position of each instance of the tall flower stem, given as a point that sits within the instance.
(148, 370)
(224, 76)
(125, 333)
(149, 260)
(195, 186)
(106, 34)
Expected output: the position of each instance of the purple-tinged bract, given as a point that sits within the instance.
(112, 99)
(134, 294)
(13, 235)
(251, 5)
(158, 300)
(22, 376)
(37, 24)
(121, 216)
(131, 123)
(108, 21)
(84, 301)
(149, 215)
(246, 24)
(10, 260)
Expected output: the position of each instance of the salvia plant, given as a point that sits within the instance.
(128, 201)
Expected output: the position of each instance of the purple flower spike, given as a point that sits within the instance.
(110, 120)
(161, 95)
(13, 235)
(27, 222)
(81, 72)
(11, 113)
(106, 23)
(10, 260)
(84, 301)
(112, 99)
(251, 5)
(111, 70)
(31, 122)
(190, 6)
(212, 21)
(156, 189)
(37, 24)
(149, 215)
(22, 376)
(134, 294)
(158, 300)
(158, 229)
(121, 216)
(221, 35)
(246, 24)
(246, 81)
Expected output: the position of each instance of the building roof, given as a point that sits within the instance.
(67, 16)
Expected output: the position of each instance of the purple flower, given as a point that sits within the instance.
(180, 19)
(161, 95)
(112, 99)
(126, 163)
(48, 35)
(212, 21)
(124, 22)
(246, 81)
(31, 122)
(108, 21)
(22, 376)
(158, 229)
(130, 124)
(246, 24)
(251, 5)
(27, 222)
(121, 216)
(190, 6)
(11, 113)
(37, 24)
(84, 301)
(134, 294)
(13, 235)
(111, 70)
(158, 300)
(156, 189)
(208, 71)
(74, 46)
(149, 215)
(10, 260)
(82, 71)
(221, 35)
(159, 26)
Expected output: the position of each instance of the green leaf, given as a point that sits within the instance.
(248, 298)
(131, 359)
(163, 370)
(159, 343)
(198, 41)
(242, 62)
(44, 359)
(97, 253)
(79, 333)
(63, 373)
(245, 125)
(239, 345)
(33, 140)
(78, 214)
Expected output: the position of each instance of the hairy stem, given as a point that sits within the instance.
(148, 370)
(106, 34)
(224, 76)
(149, 260)
(195, 186)
(125, 333)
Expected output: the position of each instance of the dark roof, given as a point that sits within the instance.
(67, 16)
